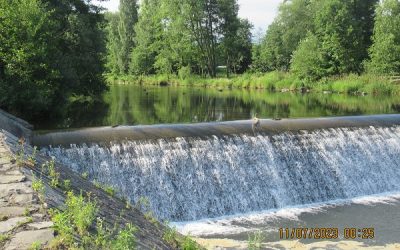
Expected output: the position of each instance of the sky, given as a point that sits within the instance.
(261, 13)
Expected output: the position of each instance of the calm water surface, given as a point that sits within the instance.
(134, 105)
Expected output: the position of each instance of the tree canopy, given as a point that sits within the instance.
(49, 51)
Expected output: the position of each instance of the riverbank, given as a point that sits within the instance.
(275, 81)
(45, 205)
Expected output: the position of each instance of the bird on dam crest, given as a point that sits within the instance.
(256, 124)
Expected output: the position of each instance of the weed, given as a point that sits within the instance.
(255, 240)
(35, 246)
(3, 218)
(53, 174)
(85, 175)
(97, 184)
(22, 223)
(82, 212)
(4, 238)
(78, 217)
(128, 205)
(31, 160)
(151, 218)
(27, 212)
(103, 235)
(67, 185)
(170, 235)
(38, 186)
(19, 158)
(189, 244)
(125, 239)
(143, 204)
(109, 190)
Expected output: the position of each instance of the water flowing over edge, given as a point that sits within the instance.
(188, 179)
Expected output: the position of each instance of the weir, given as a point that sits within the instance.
(293, 162)
(107, 134)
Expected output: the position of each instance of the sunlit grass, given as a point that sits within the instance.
(274, 81)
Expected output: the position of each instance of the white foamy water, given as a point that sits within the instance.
(250, 222)
(188, 179)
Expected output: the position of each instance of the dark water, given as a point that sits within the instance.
(134, 105)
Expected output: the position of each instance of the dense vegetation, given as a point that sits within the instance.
(179, 37)
(49, 50)
(54, 51)
(313, 41)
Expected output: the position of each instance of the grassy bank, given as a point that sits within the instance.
(275, 81)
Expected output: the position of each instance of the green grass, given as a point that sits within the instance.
(79, 218)
(35, 246)
(274, 81)
(255, 240)
(4, 238)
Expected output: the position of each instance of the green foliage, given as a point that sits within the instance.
(31, 161)
(85, 175)
(20, 155)
(125, 239)
(184, 73)
(255, 241)
(173, 34)
(307, 62)
(79, 217)
(38, 187)
(128, 17)
(47, 48)
(385, 51)
(35, 246)
(4, 238)
(110, 190)
(81, 212)
(317, 38)
(283, 36)
(28, 77)
(67, 185)
(189, 244)
(344, 30)
(170, 235)
(53, 174)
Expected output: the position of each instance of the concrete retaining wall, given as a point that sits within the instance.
(16, 126)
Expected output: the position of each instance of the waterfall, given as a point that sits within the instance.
(193, 178)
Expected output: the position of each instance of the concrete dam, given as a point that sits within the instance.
(196, 171)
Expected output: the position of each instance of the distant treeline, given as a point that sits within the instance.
(178, 36)
(312, 39)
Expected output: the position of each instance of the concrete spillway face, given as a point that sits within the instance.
(199, 175)
(268, 127)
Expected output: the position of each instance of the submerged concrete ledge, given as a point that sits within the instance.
(108, 134)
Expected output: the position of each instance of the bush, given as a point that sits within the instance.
(184, 73)
(307, 60)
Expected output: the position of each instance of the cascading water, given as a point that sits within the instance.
(193, 178)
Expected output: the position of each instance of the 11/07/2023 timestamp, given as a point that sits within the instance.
(326, 233)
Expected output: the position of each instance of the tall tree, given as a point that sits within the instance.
(81, 42)
(29, 79)
(148, 32)
(113, 43)
(128, 16)
(283, 36)
(385, 51)
(344, 28)
(50, 49)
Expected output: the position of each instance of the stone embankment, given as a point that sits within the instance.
(24, 215)
(23, 222)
